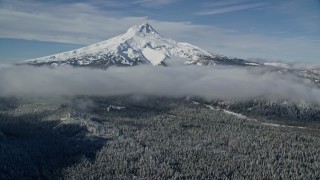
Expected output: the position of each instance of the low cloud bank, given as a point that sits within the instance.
(227, 83)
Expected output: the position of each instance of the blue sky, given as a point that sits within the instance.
(286, 30)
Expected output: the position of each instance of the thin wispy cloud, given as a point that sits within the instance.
(154, 3)
(305, 15)
(227, 8)
(77, 23)
(107, 4)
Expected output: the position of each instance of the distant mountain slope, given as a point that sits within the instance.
(139, 45)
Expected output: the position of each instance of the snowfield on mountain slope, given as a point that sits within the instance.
(155, 57)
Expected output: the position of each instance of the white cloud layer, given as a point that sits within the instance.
(208, 82)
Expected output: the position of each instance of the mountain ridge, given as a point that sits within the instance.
(141, 44)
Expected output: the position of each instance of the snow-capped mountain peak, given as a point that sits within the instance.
(143, 29)
(141, 44)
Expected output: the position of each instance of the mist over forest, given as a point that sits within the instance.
(158, 122)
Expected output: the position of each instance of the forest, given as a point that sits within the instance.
(140, 137)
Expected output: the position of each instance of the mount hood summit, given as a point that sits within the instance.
(141, 44)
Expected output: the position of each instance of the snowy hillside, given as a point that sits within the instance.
(139, 45)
